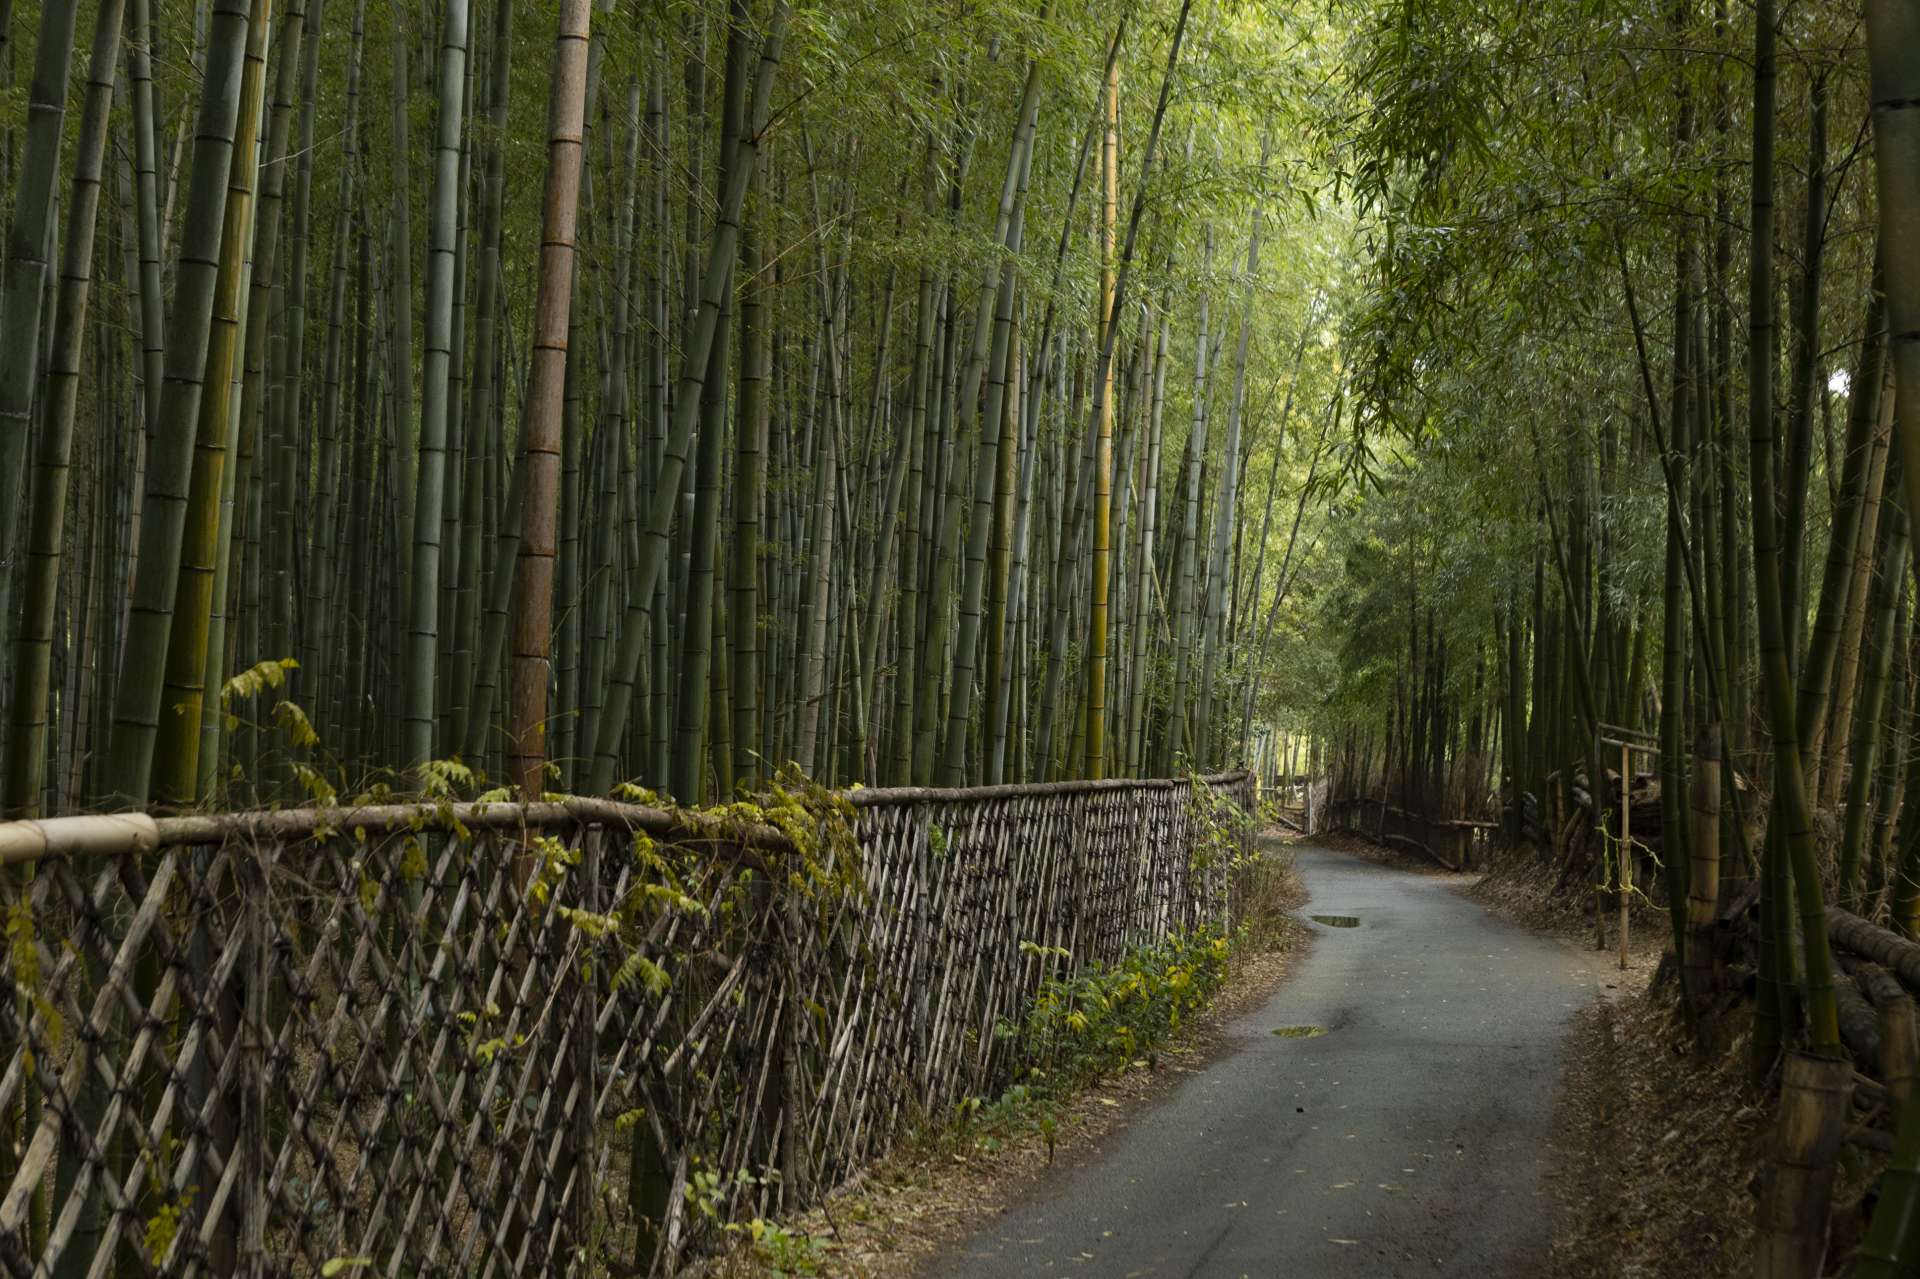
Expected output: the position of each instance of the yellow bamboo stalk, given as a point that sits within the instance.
(1103, 456)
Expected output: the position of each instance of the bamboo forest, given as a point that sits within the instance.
(750, 638)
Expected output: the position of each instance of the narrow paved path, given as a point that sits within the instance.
(1409, 1139)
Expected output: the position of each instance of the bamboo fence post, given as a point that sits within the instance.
(1625, 861)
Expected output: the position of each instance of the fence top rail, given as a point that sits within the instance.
(118, 834)
(882, 796)
(122, 834)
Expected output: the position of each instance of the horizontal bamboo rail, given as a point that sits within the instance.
(565, 1037)
(112, 834)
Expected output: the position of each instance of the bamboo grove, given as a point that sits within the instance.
(408, 395)
(1636, 361)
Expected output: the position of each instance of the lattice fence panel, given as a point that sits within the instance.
(530, 1039)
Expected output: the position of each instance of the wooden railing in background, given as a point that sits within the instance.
(1455, 843)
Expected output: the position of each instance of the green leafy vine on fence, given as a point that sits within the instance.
(23, 952)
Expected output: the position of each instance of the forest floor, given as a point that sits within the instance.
(939, 1186)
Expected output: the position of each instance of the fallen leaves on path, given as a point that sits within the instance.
(1656, 1151)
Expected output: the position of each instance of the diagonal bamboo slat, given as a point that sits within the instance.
(527, 1039)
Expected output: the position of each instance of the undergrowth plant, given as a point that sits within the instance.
(1107, 1016)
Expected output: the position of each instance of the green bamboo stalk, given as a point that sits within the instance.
(23, 291)
(1857, 586)
(326, 613)
(1675, 811)
(1184, 585)
(1055, 716)
(654, 721)
(153, 340)
(400, 312)
(1893, 36)
(359, 595)
(1870, 712)
(470, 729)
(204, 252)
(1805, 341)
(1789, 780)
(456, 515)
(749, 497)
(423, 629)
(1109, 323)
(941, 528)
(1144, 559)
(1000, 555)
(1006, 762)
(178, 772)
(292, 420)
(1868, 375)
(1896, 759)
(703, 533)
(262, 428)
(28, 710)
(566, 684)
(814, 660)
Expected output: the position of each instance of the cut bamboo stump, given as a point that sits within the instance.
(1796, 1197)
(1898, 1048)
(1703, 885)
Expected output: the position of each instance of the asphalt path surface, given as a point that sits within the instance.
(1410, 1138)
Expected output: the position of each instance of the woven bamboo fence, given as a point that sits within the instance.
(526, 1039)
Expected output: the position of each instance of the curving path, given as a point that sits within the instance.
(1411, 1138)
